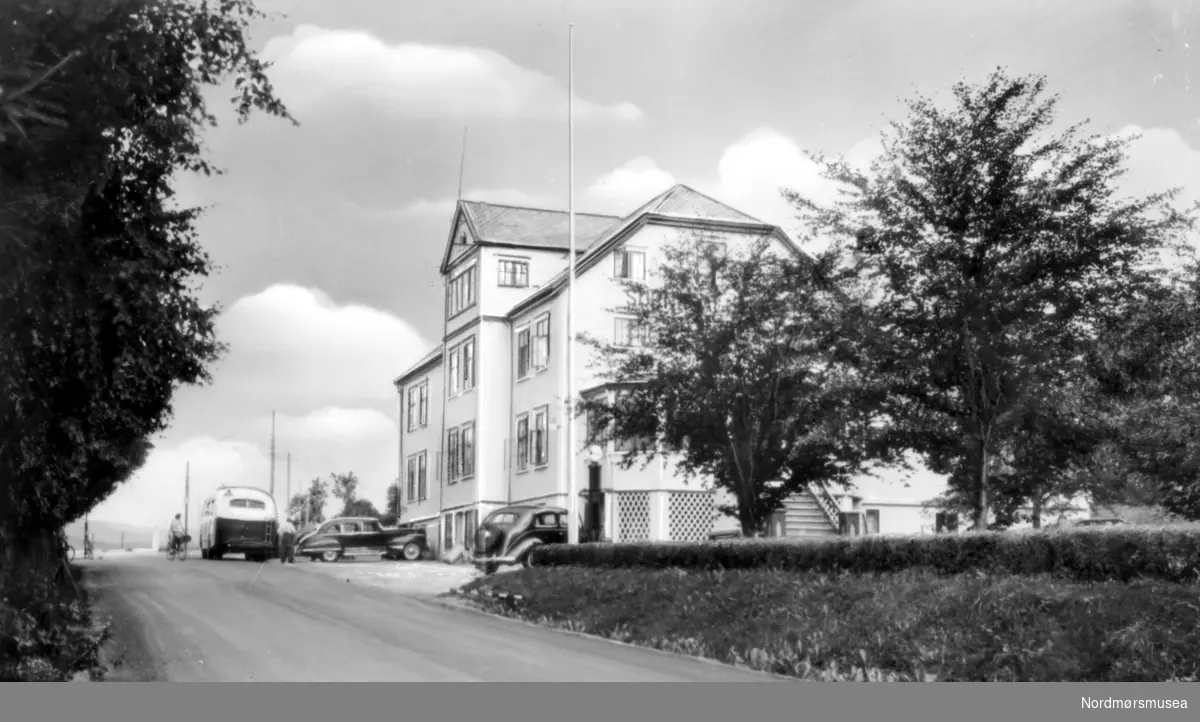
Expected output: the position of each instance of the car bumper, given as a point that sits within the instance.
(482, 561)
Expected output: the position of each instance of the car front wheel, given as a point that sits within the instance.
(331, 556)
(411, 552)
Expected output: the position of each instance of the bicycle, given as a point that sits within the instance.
(66, 551)
(178, 549)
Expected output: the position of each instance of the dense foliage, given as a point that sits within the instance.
(103, 106)
(905, 626)
(995, 251)
(1117, 554)
(738, 365)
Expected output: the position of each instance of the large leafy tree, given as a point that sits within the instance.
(738, 368)
(993, 246)
(1147, 362)
(101, 106)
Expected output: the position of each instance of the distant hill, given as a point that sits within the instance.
(107, 535)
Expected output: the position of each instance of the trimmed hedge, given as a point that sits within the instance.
(1114, 554)
(907, 626)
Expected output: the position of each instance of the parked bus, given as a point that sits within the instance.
(239, 520)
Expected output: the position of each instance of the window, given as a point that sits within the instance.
(872, 521)
(469, 527)
(629, 264)
(412, 408)
(630, 444)
(541, 454)
(501, 518)
(412, 478)
(547, 520)
(595, 428)
(541, 342)
(371, 527)
(459, 528)
(522, 442)
(523, 353)
(447, 532)
(423, 403)
(628, 332)
(468, 450)
(452, 455)
(423, 487)
(468, 364)
(455, 380)
(461, 292)
(247, 504)
(513, 273)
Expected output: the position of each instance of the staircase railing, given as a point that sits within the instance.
(827, 503)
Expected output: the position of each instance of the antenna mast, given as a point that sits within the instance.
(462, 163)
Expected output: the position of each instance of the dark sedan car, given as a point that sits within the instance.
(509, 535)
(361, 537)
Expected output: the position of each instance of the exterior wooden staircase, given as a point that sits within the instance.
(812, 513)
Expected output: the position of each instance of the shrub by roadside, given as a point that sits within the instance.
(46, 630)
(906, 626)
(1120, 554)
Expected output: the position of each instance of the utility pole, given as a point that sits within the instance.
(287, 501)
(568, 404)
(272, 454)
(187, 488)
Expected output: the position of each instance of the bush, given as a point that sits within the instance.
(907, 626)
(46, 632)
(1116, 554)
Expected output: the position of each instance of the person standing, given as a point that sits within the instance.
(287, 542)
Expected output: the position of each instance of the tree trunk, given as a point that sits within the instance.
(1036, 517)
(981, 498)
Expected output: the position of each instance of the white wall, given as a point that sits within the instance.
(902, 517)
(425, 438)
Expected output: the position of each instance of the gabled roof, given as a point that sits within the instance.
(677, 205)
(494, 224)
(427, 360)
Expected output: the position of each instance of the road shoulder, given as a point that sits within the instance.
(123, 656)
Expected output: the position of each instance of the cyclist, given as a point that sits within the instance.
(176, 533)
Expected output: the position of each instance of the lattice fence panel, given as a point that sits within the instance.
(691, 515)
(633, 516)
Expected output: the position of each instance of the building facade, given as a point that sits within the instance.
(482, 418)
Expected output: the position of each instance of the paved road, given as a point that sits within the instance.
(239, 621)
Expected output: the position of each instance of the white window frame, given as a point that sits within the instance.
(453, 454)
(624, 269)
(523, 447)
(521, 273)
(526, 372)
(637, 333)
(461, 292)
(543, 413)
(539, 345)
(466, 461)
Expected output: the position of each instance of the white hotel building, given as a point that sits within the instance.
(482, 415)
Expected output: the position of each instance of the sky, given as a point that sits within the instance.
(327, 236)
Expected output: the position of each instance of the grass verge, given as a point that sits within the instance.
(46, 629)
(907, 626)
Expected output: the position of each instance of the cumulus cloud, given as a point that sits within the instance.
(748, 176)
(625, 188)
(324, 441)
(316, 65)
(326, 368)
(295, 345)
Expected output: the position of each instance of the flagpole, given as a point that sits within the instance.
(569, 411)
